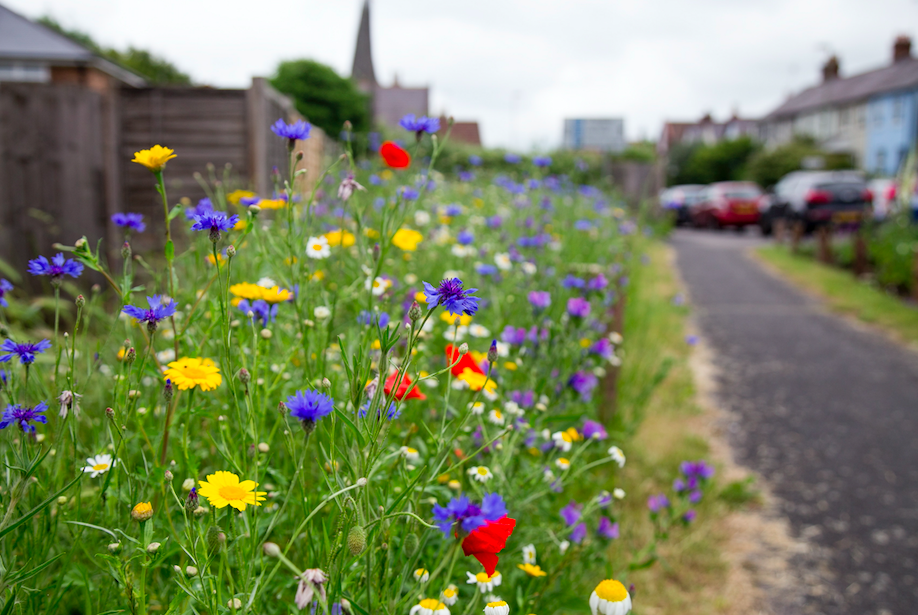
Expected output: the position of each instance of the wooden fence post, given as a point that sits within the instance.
(796, 236)
(779, 230)
(861, 266)
(825, 244)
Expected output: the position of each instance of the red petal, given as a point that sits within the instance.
(402, 387)
(485, 542)
(488, 560)
(465, 362)
(395, 157)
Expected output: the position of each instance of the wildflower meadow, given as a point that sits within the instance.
(381, 391)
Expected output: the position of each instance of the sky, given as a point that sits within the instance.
(519, 67)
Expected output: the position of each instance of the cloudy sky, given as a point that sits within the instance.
(521, 66)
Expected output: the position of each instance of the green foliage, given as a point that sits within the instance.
(740, 493)
(892, 249)
(705, 164)
(323, 96)
(154, 69)
(766, 167)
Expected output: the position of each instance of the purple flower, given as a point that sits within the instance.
(603, 348)
(57, 268)
(466, 176)
(420, 125)
(475, 161)
(348, 186)
(578, 307)
(485, 269)
(248, 201)
(540, 299)
(542, 161)
(584, 383)
(678, 485)
(571, 281)
(409, 194)
(214, 222)
(583, 225)
(309, 406)
(597, 283)
(367, 319)
(465, 237)
(658, 502)
(452, 210)
(468, 514)
(26, 352)
(391, 414)
(571, 513)
(512, 158)
(697, 469)
(158, 311)
(5, 287)
(524, 399)
(260, 310)
(203, 207)
(133, 222)
(689, 516)
(23, 416)
(691, 340)
(452, 297)
(514, 336)
(594, 430)
(292, 132)
(494, 221)
(695, 496)
(578, 533)
(607, 529)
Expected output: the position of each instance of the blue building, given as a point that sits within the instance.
(892, 127)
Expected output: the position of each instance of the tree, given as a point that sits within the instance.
(768, 166)
(324, 97)
(153, 68)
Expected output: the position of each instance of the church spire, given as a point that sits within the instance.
(362, 72)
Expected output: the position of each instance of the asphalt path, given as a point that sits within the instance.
(827, 413)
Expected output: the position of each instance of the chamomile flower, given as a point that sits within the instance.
(411, 454)
(618, 493)
(477, 408)
(479, 331)
(317, 247)
(497, 608)
(266, 282)
(503, 262)
(481, 473)
(429, 606)
(617, 456)
(100, 464)
(496, 416)
(610, 598)
(450, 595)
(486, 583)
(563, 546)
(563, 463)
(421, 575)
(377, 285)
(563, 440)
(529, 554)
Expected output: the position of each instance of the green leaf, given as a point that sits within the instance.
(170, 250)
(350, 423)
(28, 575)
(95, 527)
(38, 508)
(10, 603)
(175, 211)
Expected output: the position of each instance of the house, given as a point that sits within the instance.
(706, 131)
(871, 115)
(466, 132)
(600, 134)
(390, 104)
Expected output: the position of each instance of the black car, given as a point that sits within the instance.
(679, 199)
(816, 198)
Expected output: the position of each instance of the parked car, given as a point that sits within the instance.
(727, 204)
(680, 199)
(884, 197)
(819, 197)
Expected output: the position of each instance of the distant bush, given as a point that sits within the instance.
(695, 163)
(767, 167)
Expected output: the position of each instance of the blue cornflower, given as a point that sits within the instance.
(309, 406)
(465, 237)
(542, 161)
(57, 268)
(475, 161)
(466, 176)
(5, 287)
(420, 125)
(203, 207)
(468, 514)
(25, 352)
(297, 130)
(214, 222)
(376, 180)
(512, 158)
(367, 318)
(583, 225)
(452, 210)
(158, 311)
(451, 296)
(409, 194)
(391, 414)
(248, 201)
(571, 281)
(133, 222)
(23, 416)
(260, 309)
(485, 269)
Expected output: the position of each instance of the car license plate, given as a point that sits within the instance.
(846, 217)
(744, 209)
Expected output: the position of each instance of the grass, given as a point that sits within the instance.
(690, 577)
(845, 294)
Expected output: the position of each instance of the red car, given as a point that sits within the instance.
(728, 204)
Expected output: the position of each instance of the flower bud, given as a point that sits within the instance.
(266, 334)
(169, 476)
(168, 391)
(231, 250)
(376, 252)
(142, 511)
(271, 549)
(356, 540)
(463, 348)
(414, 313)
(362, 481)
(80, 301)
(411, 544)
(235, 604)
(191, 571)
(191, 502)
(126, 251)
(80, 243)
(215, 539)
(492, 352)
(153, 547)
(114, 548)
(110, 413)
(348, 126)
(300, 155)
(130, 356)
(326, 383)
(199, 512)
(188, 484)
(244, 376)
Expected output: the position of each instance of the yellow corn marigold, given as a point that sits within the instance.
(191, 372)
(407, 239)
(154, 158)
(224, 489)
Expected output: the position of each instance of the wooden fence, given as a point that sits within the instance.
(65, 155)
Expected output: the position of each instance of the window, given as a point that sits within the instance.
(881, 161)
(862, 116)
(24, 72)
(877, 116)
(898, 112)
(844, 116)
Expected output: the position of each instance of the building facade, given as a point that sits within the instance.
(603, 135)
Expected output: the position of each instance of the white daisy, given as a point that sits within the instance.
(479, 331)
(513, 409)
(503, 262)
(529, 554)
(429, 606)
(317, 247)
(411, 454)
(498, 607)
(266, 282)
(490, 395)
(379, 285)
(616, 338)
(563, 463)
(481, 473)
(503, 349)
(462, 251)
(100, 464)
(496, 416)
(610, 598)
(485, 583)
(449, 595)
(421, 218)
(477, 408)
(547, 475)
(564, 546)
(321, 312)
(421, 575)
(528, 268)
(563, 440)
(618, 493)
(617, 456)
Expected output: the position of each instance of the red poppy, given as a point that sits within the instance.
(465, 362)
(395, 156)
(485, 542)
(400, 394)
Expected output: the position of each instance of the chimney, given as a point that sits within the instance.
(902, 49)
(830, 69)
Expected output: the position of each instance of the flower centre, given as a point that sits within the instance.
(431, 603)
(482, 577)
(449, 593)
(232, 492)
(498, 414)
(100, 466)
(483, 471)
(611, 590)
(194, 373)
(500, 603)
